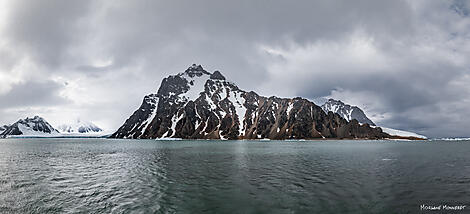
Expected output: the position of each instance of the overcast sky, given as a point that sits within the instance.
(405, 63)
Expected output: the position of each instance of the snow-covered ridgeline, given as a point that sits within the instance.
(39, 127)
(401, 133)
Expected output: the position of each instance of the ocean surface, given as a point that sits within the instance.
(148, 176)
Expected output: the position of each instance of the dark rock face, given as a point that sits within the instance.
(35, 125)
(346, 111)
(3, 128)
(217, 76)
(196, 104)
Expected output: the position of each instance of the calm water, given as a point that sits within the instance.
(147, 176)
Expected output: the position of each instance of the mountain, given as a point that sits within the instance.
(197, 104)
(346, 111)
(34, 127)
(349, 113)
(79, 126)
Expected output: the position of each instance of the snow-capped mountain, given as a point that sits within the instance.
(349, 113)
(346, 111)
(34, 127)
(198, 104)
(79, 126)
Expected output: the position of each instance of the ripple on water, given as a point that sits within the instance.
(123, 176)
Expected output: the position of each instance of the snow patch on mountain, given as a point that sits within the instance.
(238, 101)
(346, 111)
(154, 104)
(289, 108)
(196, 86)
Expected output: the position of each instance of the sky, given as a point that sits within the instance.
(406, 63)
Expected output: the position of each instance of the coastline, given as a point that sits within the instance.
(212, 139)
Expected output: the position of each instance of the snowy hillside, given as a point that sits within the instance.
(29, 127)
(401, 133)
(79, 126)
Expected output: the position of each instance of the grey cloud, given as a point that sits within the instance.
(46, 30)
(413, 98)
(34, 93)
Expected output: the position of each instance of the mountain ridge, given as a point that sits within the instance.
(349, 113)
(346, 111)
(197, 104)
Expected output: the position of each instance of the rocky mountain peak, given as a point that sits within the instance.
(333, 101)
(217, 76)
(196, 70)
(35, 119)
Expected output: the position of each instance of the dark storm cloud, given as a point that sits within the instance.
(404, 56)
(224, 34)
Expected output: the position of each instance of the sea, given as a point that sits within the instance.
(44, 175)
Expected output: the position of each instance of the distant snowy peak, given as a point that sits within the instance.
(79, 126)
(35, 126)
(346, 111)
